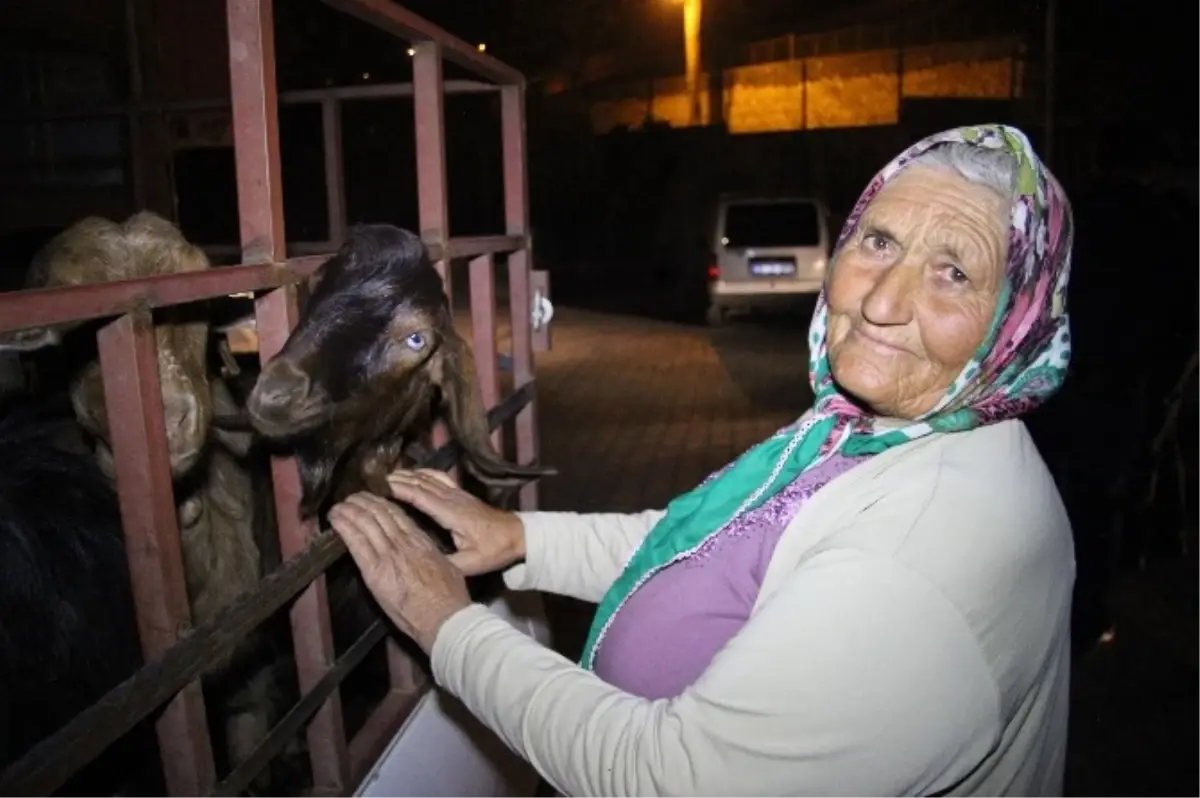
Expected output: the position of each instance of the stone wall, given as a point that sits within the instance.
(835, 91)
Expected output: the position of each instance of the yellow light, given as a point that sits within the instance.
(482, 47)
(412, 51)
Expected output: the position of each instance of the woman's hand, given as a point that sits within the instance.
(487, 539)
(414, 583)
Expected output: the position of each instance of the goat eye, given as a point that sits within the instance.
(415, 342)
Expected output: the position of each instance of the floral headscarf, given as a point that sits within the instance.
(1021, 362)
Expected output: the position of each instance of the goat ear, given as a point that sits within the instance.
(467, 419)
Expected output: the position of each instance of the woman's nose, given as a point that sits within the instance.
(890, 301)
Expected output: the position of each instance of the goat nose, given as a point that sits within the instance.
(280, 385)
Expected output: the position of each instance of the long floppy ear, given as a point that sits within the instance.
(467, 419)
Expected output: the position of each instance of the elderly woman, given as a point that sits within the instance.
(874, 601)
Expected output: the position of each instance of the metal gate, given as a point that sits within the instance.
(131, 387)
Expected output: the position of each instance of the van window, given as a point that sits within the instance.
(771, 224)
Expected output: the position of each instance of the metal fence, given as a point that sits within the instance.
(131, 386)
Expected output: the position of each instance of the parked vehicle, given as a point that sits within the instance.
(768, 252)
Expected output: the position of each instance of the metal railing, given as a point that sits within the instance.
(132, 392)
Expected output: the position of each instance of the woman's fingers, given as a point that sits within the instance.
(436, 476)
(386, 517)
(362, 533)
(427, 495)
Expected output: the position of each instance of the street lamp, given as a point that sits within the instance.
(691, 53)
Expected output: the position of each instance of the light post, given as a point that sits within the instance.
(691, 52)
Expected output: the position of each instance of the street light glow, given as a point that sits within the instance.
(482, 47)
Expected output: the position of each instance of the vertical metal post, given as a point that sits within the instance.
(428, 109)
(133, 396)
(335, 178)
(260, 206)
(516, 214)
(433, 210)
(483, 326)
(432, 205)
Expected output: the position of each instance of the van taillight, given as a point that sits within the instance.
(714, 273)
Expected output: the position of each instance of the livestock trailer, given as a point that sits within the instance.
(392, 748)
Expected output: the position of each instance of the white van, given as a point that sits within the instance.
(768, 252)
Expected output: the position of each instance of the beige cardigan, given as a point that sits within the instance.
(911, 637)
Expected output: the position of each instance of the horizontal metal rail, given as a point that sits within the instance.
(400, 22)
(372, 91)
(36, 308)
(54, 760)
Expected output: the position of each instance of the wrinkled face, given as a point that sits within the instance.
(912, 293)
(377, 315)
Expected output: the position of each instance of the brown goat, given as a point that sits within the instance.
(223, 534)
(373, 363)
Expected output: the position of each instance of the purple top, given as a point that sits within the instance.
(670, 629)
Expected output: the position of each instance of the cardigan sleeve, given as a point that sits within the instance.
(578, 554)
(858, 677)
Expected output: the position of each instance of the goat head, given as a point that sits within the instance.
(96, 250)
(373, 362)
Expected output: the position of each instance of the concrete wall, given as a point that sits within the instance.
(835, 91)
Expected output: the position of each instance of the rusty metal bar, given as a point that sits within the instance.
(432, 206)
(260, 207)
(429, 113)
(335, 180)
(55, 759)
(36, 308)
(290, 724)
(129, 362)
(19, 309)
(464, 247)
(400, 22)
(377, 91)
(516, 214)
(312, 633)
(483, 330)
(256, 129)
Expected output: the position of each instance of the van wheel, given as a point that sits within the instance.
(716, 315)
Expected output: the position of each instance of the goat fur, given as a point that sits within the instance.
(223, 539)
(355, 391)
(67, 626)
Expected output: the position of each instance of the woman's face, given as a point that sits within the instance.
(913, 292)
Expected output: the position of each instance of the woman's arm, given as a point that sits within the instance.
(858, 678)
(577, 554)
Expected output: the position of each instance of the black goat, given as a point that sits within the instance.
(68, 632)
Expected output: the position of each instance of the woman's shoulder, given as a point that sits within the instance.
(990, 479)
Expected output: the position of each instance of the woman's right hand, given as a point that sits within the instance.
(487, 539)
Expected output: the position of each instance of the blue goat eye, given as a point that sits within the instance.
(415, 342)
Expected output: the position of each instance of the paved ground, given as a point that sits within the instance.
(634, 411)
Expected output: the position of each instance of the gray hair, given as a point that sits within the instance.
(983, 166)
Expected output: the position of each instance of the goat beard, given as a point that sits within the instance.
(363, 441)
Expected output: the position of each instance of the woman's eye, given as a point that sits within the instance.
(955, 274)
(876, 244)
(415, 342)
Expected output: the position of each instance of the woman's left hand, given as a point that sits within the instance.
(414, 583)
